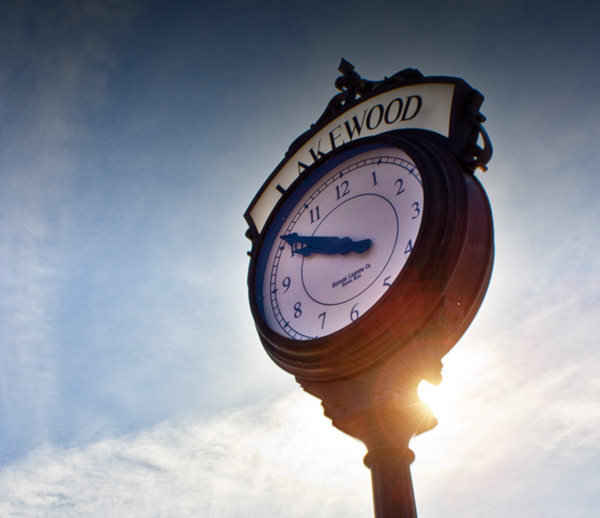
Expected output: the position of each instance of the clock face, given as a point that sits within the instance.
(340, 240)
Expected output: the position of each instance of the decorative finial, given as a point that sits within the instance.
(351, 86)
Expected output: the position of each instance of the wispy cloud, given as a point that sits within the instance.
(254, 462)
(521, 414)
(499, 435)
(55, 66)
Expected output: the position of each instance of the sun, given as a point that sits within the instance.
(433, 396)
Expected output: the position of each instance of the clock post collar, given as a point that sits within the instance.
(385, 422)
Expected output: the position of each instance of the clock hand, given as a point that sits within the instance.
(359, 247)
(307, 245)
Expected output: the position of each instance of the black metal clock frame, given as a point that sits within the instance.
(367, 373)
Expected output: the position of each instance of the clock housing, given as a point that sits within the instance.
(431, 299)
(372, 250)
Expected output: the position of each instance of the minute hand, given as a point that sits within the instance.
(307, 245)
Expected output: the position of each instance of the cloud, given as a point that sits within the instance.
(520, 420)
(502, 436)
(53, 75)
(254, 462)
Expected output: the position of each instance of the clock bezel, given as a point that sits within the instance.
(290, 203)
(455, 209)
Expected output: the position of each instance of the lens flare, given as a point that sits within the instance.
(431, 395)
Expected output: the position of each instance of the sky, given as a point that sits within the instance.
(133, 136)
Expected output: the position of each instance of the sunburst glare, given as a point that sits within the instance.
(432, 396)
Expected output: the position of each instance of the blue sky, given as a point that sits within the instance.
(133, 135)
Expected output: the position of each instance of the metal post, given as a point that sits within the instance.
(393, 494)
(385, 423)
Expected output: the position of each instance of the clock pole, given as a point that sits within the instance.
(393, 494)
(384, 412)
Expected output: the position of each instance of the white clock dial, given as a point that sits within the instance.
(341, 244)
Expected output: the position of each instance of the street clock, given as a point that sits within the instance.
(372, 249)
(385, 239)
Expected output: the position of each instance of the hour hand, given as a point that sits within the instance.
(307, 245)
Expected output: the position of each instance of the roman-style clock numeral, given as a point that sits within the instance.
(415, 206)
(354, 314)
(314, 214)
(297, 310)
(344, 191)
(322, 315)
(400, 184)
